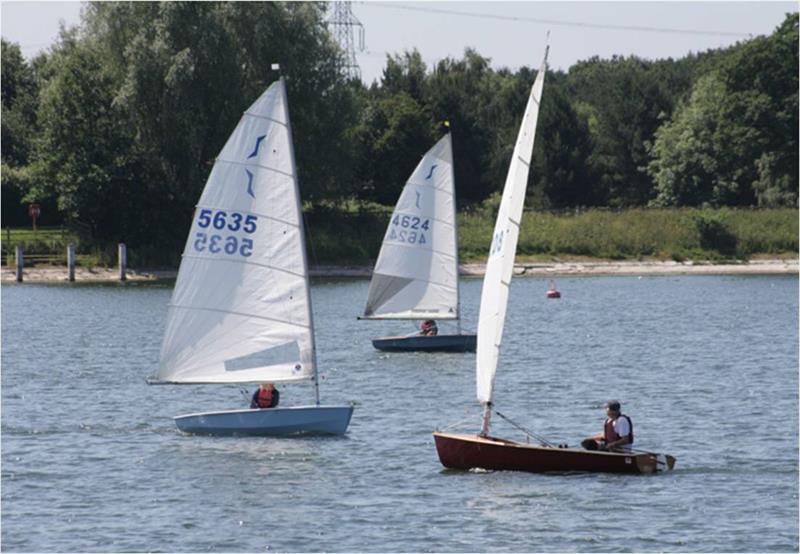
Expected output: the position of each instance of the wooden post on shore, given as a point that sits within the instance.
(20, 262)
(71, 262)
(123, 261)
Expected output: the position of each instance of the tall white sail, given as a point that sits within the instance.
(241, 311)
(416, 275)
(500, 265)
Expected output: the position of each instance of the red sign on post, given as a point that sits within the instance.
(33, 211)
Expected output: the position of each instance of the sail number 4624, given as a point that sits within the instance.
(221, 220)
(409, 229)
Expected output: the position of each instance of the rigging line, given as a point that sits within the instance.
(458, 423)
(467, 419)
(560, 22)
(526, 431)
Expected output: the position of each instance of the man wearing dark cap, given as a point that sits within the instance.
(617, 431)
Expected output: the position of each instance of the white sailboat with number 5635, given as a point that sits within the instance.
(241, 308)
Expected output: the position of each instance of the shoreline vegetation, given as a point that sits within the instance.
(350, 236)
(773, 266)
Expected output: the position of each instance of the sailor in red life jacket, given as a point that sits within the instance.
(267, 396)
(617, 431)
(428, 328)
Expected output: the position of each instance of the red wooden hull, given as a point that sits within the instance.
(459, 451)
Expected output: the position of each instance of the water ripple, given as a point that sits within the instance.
(709, 376)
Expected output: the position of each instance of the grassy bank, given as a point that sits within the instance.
(660, 234)
(352, 235)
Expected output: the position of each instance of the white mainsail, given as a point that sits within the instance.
(241, 310)
(416, 275)
(500, 265)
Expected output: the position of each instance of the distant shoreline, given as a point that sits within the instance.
(532, 269)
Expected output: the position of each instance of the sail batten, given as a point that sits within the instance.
(242, 287)
(254, 264)
(243, 314)
(416, 273)
(500, 265)
(264, 167)
(257, 116)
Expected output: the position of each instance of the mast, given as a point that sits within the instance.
(302, 239)
(455, 227)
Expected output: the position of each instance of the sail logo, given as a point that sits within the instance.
(250, 183)
(259, 140)
(497, 243)
(430, 173)
(253, 154)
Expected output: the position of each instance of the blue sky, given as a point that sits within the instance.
(510, 33)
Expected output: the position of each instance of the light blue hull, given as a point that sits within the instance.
(299, 420)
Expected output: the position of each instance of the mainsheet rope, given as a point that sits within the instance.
(526, 431)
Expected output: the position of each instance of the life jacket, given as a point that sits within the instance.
(264, 398)
(611, 435)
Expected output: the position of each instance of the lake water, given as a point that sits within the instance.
(707, 367)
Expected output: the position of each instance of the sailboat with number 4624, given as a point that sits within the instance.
(416, 274)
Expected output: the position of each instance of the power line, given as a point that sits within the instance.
(563, 23)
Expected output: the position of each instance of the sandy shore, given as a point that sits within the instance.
(755, 267)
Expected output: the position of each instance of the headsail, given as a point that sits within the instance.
(500, 265)
(416, 275)
(241, 311)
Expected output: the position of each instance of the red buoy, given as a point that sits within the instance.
(552, 292)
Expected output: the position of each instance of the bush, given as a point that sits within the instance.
(714, 234)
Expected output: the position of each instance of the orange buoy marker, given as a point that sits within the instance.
(552, 292)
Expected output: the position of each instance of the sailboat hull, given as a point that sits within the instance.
(458, 451)
(300, 420)
(420, 343)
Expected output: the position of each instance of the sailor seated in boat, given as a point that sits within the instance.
(617, 431)
(267, 396)
(428, 328)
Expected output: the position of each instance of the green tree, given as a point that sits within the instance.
(394, 134)
(734, 142)
(624, 100)
(141, 100)
(560, 174)
(405, 73)
(85, 155)
(458, 91)
(20, 89)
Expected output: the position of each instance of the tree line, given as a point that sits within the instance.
(115, 128)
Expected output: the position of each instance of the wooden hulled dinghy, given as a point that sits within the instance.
(483, 450)
(461, 451)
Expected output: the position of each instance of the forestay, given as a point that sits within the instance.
(500, 265)
(416, 275)
(241, 311)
